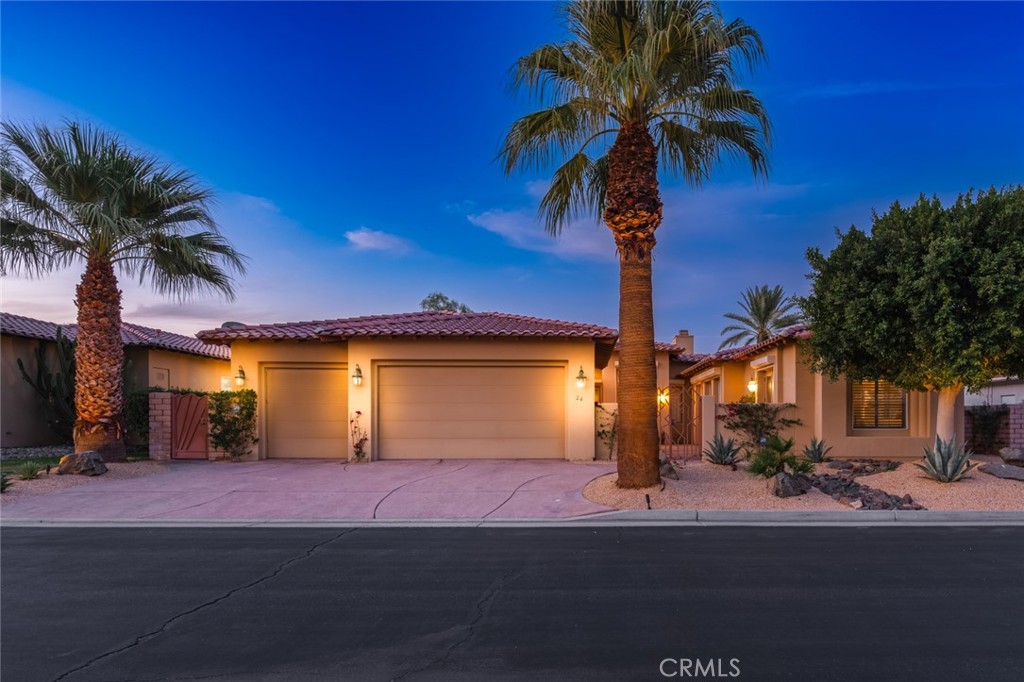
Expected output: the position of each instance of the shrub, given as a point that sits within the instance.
(5, 481)
(986, 421)
(775, 457)
(722, 451)
(27, 471)
(947, 462)
(817, 451)
(233, 422)
(757, 422)
(359, 438)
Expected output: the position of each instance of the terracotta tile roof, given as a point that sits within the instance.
(796, 332)
(428, 323)
(131, 335)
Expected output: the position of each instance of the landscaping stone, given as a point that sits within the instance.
(844, 488)
(784, 484)
(1014, 456)
(1003, 471)
(84, 463)
(33, 453)
(669, 471)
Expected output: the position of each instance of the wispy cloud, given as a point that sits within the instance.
(522, 229)
(458, 207)
(366, 239)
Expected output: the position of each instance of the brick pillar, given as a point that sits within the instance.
(160, 426)
(1017, 426)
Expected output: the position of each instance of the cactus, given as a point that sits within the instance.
(947, 462)
(56, 388)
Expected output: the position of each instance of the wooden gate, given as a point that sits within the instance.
(189, 438)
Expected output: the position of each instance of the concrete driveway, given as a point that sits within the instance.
(303, 490)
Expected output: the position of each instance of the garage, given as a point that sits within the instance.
(307, 411)
(482, 411)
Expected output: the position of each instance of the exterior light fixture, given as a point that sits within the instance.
(581, 378)
(357, 377)
(752, 385)
(662, 397)
(240, 377)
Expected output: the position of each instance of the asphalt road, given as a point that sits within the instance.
(453, 604)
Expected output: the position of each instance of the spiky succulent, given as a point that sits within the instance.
(721, 451)
(27, 471)
(947, 462)
(816, 451)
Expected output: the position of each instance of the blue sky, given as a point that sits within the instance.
(352, 146)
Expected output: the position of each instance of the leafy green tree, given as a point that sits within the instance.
(435, 300)
(658, 80)
(79, 195)
(932, 299)
(765, 312)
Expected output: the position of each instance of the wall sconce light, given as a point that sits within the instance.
(357, 377)
(581, 379)
(240, 377)
(752, 385)
(662, 397)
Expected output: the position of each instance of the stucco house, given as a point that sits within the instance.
(857, 418)
(1000, 391)
(154, 358)
(423, 385)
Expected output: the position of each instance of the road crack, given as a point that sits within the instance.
(145, 637)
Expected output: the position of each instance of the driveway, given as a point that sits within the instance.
(303, 490)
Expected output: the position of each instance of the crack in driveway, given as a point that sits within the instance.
(512, 494)
(145, 637)
(392, 492)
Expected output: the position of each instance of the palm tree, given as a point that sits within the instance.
(765, 312)
(78, 195)
(657, 79)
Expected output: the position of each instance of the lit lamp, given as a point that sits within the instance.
(752, 385)
(357, 377)
(581, 379)
(662, 397)
(240, 377)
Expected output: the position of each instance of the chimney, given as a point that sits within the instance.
(684, 340)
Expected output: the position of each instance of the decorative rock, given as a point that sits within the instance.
(786, 485)
(84, 463)
(669, 471)
(1003, 470)
(839, 464)
(1014, 456)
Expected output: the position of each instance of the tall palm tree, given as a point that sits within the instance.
(765, 312)
(657, 81)
(77, 194)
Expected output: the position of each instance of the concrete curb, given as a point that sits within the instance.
(660, 517)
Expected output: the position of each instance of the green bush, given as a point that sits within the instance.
(775, 457)
(27, 471)
(233, 422)
(718, 450)
(947, 462)
(757, 422)
(817, 451)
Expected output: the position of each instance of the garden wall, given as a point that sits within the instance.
(1009, 434)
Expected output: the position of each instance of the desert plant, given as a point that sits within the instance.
(5, 482)
(947, 462)
(55, 387)
(608, 427)
(233, 422)
(718, 450)
(359, 438)
(775, 457)
(817, 451)
(986, 421)
(27, 471)
(756, 423)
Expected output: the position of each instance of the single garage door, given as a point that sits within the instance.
(451, 412)
(307, 412)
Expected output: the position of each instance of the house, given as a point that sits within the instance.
(153, 358)
(857, 418)
(1000, 391)
(423, 385)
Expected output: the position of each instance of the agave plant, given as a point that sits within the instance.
(722, 451)
(5, 482)
(27, 471)
(817, 451)
(947, 462)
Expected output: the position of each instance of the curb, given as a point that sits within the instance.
(660, 517)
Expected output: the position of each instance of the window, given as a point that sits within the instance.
(878, 404)
(765, 386)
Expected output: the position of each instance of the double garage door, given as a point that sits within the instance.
(423, 412)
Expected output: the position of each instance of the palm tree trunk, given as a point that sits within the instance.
(99, 360)
(633, 213)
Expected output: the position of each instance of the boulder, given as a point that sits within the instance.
(1003, 471)
(786, 485)
(669, 471)
(84, 463)
(1014, 456)
(839, 464)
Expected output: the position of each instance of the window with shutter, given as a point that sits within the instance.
(878, 404)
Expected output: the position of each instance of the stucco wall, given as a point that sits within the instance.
(22, 420)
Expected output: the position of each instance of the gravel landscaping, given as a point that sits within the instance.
(52, 483)
(977, 492)
(33, 453)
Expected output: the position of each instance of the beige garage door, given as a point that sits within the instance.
(307, 412)
(452, 412)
